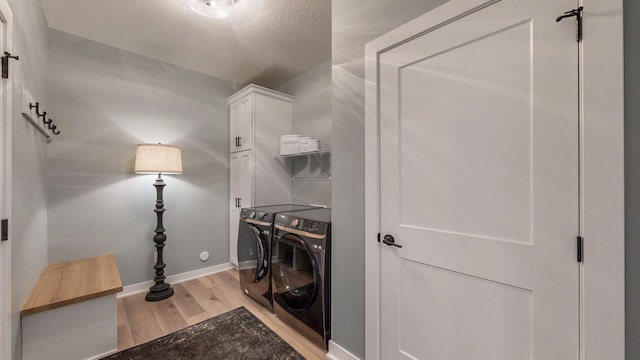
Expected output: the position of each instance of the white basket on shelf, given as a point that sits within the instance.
(309, 144)
(289, 144)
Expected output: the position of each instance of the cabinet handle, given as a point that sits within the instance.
(236, 141)
(239, 140)
(239, 202)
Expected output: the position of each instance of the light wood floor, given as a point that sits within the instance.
(195, 301)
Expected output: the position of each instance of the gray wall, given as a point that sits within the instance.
(355, 23)
(29, 211)
(312, 117)
(105, 101)
(632, 176)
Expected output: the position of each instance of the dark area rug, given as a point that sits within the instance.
(237, 334)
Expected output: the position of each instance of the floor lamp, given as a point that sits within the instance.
(160, 159)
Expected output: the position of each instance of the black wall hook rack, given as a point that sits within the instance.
(48, 122)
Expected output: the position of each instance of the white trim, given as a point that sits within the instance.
(97, 357)
(174, 279)
(253, 88)
(602, 175)
(372, 210)
(603, 180)
(6, 119)
(337, 352)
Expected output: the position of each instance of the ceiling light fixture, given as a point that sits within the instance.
(218, 9)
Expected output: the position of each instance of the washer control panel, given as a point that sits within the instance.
(257, 215)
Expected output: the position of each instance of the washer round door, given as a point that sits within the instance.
(296, 278)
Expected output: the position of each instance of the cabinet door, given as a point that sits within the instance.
(240, 195)
(241, 179)
(235, 116)
(241, 125)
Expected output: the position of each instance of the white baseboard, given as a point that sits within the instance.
(98, 357)
(172, 279)
(337, 352)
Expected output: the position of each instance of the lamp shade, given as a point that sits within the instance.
(158, 158)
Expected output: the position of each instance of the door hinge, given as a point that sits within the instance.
(580, 246)
(5, 64)
(4, 236)
(578, 14)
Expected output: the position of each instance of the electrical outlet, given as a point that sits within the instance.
(204, 256)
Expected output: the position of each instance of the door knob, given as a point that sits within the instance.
(389, 240)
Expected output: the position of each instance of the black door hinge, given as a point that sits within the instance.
(5, 230)
(580, 251)
(5, 64)
(578, 14)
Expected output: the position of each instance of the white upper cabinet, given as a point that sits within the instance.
(253, 110)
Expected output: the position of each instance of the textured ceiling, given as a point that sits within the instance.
(262, 41)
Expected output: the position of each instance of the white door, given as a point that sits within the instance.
(479, 177)
(241, 195)
(6, 19)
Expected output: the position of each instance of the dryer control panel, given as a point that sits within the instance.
(312, 226)
(293, 222)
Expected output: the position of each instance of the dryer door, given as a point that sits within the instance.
(262, 250)
(253, 252)
(296, 277)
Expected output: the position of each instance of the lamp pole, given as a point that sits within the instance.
(160, 290)
(158, 159)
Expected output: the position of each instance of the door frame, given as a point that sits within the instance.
(601, 173)
(6, 119)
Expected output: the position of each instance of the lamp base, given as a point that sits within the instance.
(159, 292)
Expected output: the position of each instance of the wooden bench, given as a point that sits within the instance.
(71, 312)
